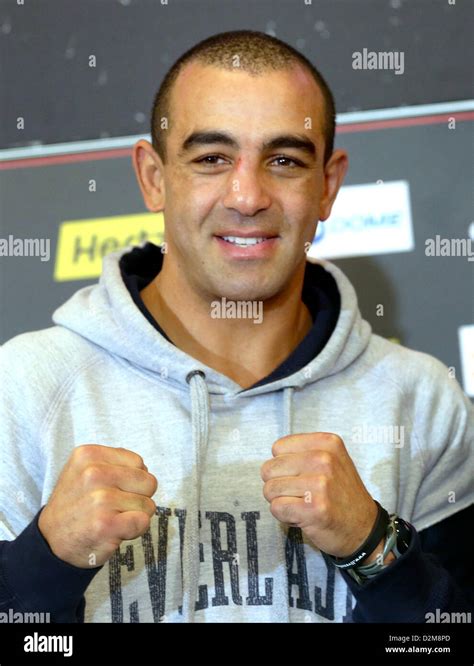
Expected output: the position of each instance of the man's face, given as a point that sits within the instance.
(237, 186)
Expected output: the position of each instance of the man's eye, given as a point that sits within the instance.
(282, 158)
(209, 160)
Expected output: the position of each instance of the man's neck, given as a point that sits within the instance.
(244, 351)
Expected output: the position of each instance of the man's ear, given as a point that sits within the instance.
(149, 171)
(334, 173)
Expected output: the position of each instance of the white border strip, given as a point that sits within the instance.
(405, 112)
(68, 148)
(129, 141)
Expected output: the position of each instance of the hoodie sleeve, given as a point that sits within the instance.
(23, 406)
(436, 572)
(33, 579)
(434, 575)
(443, 432)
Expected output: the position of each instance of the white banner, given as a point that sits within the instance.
(366, 219)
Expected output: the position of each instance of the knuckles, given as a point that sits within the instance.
(283, 511)
(291, 513)
(323, 459)
(279, 446)
(274, 467)
(153, 483)
(103, 497)
(322, 482)
(315, 461)
(90, 453)
(92, 475)
(322, 511)
(95, 475)
(266, 470)
(272, 488)
(140, 525)
(149, 506)
(100, 526)
(328, 438)
(136, 457)
(84, 453)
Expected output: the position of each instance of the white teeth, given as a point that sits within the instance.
(243, 241)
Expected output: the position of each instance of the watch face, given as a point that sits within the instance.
(403, 536)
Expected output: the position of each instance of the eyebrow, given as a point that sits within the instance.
(203, 138)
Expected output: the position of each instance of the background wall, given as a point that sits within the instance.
(65, 123)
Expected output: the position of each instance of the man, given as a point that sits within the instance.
(167, 457)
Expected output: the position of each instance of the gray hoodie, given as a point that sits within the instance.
(214, 552)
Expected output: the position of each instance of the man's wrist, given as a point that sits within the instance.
(378, 532)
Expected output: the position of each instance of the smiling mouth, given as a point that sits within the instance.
(244, 242)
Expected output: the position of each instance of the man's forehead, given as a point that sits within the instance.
(202, 88)
(195, 72)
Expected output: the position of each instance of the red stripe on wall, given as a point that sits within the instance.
(404, 122)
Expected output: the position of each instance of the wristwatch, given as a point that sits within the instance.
(397, 541)
(397, 533)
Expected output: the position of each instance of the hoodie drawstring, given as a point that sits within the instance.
(200, 436)
(281, 605)
(287, 407)
(200, 409)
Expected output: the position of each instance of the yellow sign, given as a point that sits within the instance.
(82, 244)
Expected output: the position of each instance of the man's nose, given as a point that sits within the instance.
(247, 190)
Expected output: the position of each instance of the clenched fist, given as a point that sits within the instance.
(102, 497)
(312, 483)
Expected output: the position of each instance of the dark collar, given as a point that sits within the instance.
(320, 294)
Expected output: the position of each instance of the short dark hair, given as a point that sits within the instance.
(257, 53)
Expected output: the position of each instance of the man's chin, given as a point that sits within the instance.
(255, 292)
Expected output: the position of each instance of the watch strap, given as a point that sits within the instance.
(397, 541)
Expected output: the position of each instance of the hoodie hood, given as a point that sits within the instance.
(106, 315)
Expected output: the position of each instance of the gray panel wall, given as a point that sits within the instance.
(44, 48)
